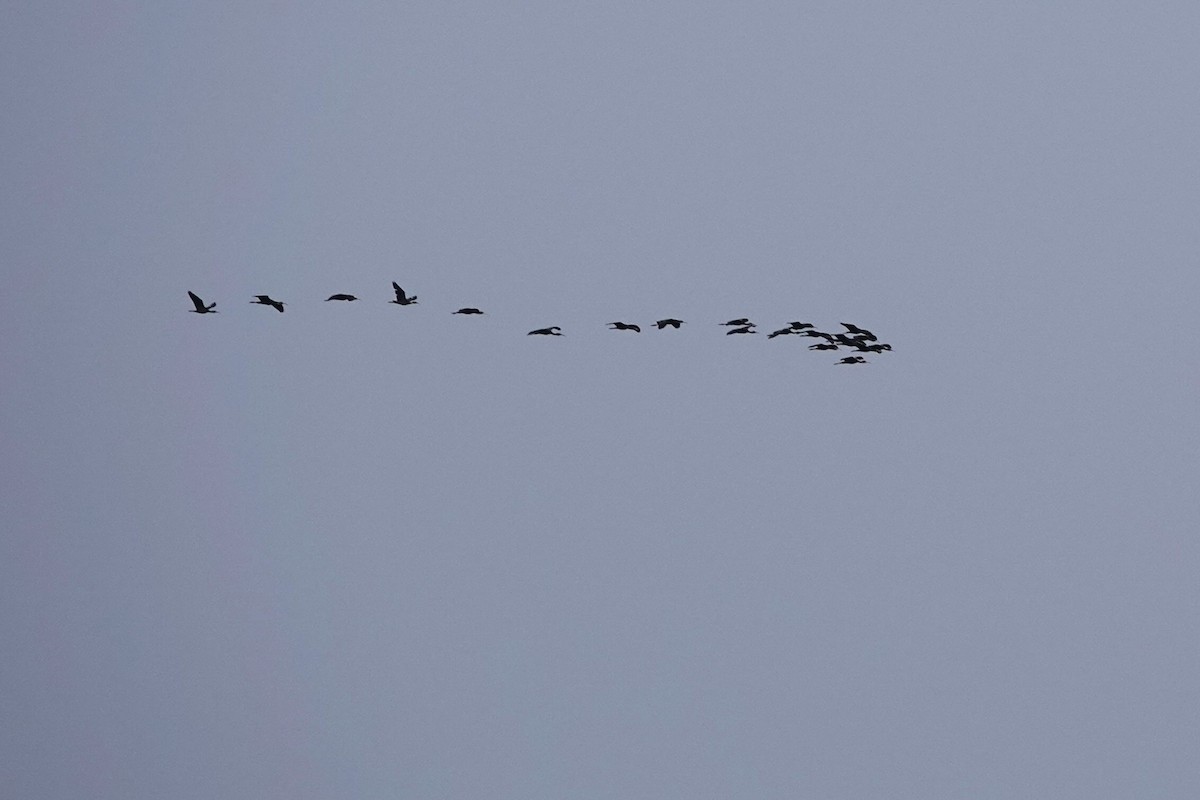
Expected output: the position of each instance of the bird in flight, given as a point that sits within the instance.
(467, 311)
(780, 332)
(674, 323)
(553, 330)
(857, 331)
(401, 298)
(340, 297)
(739, 323)
(200, 307)
(799, 326)
(624, 326)
(823, 346)
(853, 360)
(845, 339)
(743, 329)
(265, 300)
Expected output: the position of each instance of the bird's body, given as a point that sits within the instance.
(401, 298)
(873, 348)
(265, 300)
(740, 322)
(346, 297)
(821, 335)
(780, 332)
(674, 323)
(823, 346)
(625, 326)
(799, 326)
(853, 360)
(743, 329)
(467, 311)
(857, 330)
(200, 307)
(553, 330)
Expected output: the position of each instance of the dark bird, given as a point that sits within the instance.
(200, 308)
(873, 348)
(743, 329)
(467, 311)
(821, 335)
(624, 326)
(799, 326)
(340, 297)
(264, 300)
(553, 330)
(844, 339)
(856, 330)
(738, 323)
(780, 332)
(401, 298)
(853, 360)
(823, 346)
(674, 323)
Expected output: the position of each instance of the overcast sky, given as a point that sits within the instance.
(363, 551)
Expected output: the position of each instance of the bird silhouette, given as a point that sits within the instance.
(264, 300)
(739, 323)
(853, 360)
(799, 326)
(624, 326)
(873, 348)
(467, 311)
(347, 297)
(553, 330)
(780, 332)
(857, 330)
(823, 346)
(401, 298)
(200, 308)
(743, 329)
(674, 323)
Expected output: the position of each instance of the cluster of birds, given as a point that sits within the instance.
(854, 337)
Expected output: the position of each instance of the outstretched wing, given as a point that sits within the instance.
(196, 301)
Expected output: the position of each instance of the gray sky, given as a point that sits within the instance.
(357, 550)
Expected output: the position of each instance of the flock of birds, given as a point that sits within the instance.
(854, 338)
